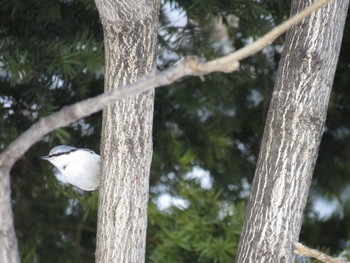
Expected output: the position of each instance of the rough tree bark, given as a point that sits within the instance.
(292, 135)
(8, 240)
(130, 37)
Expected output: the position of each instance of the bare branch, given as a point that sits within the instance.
(309, 252)
(187, 67)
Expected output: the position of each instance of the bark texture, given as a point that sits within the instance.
(8, 241)
(130, 37)
(292, 135)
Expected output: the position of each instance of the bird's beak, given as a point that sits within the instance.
(44, 158)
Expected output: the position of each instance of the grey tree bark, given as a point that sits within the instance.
(130, 37)
(8, 240)
(292, 135)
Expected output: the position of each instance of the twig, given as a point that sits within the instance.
(187, 67)
(309, 252)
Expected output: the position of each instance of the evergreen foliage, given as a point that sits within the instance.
(51, 56)
(205, 231)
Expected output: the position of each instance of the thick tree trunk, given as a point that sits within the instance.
(292, 135)
(8, 241)
(130, 37)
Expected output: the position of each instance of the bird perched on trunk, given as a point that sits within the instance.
(77, 166)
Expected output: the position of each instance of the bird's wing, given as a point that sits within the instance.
(60, 177)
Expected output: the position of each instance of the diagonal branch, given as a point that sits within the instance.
(309, 252)
(187, 67)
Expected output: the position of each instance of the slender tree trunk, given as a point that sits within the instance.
(292, 135)
(8, 241)
(130, 37)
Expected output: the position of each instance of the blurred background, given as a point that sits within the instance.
(206, 138)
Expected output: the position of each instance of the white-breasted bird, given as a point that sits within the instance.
(77, 166)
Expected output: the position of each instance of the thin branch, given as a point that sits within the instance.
(187, 67)
(267, 39)
(309, 252)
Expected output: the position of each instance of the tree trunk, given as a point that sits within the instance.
(130, 37)
(8, 241)
(292, 135)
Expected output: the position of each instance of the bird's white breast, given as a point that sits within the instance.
(80, 168)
